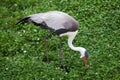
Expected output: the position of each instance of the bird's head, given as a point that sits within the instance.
(84, 56)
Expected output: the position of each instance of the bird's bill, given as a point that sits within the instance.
(85, 62)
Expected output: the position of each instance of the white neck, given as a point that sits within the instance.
(71, 37)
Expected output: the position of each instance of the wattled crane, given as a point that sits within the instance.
(61, 24)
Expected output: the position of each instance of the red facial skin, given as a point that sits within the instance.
(85, 62)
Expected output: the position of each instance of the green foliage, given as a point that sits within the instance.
(22, 47)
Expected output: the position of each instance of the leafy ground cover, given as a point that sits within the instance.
(22, 50)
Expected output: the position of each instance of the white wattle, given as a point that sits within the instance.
(71, 36)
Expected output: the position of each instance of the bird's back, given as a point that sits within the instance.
(56, 20)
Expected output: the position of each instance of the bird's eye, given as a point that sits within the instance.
(86, 54)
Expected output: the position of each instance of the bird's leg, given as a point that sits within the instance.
(46, 47)
(61, 54)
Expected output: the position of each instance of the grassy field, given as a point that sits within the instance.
(22, 52)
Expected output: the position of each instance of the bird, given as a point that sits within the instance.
(61, 24)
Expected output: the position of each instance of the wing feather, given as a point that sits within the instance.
(55, 20)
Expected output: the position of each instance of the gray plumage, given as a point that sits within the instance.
(53, 20)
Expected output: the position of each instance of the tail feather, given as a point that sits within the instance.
(24, 20)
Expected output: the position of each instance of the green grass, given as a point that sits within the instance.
(22, 48)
